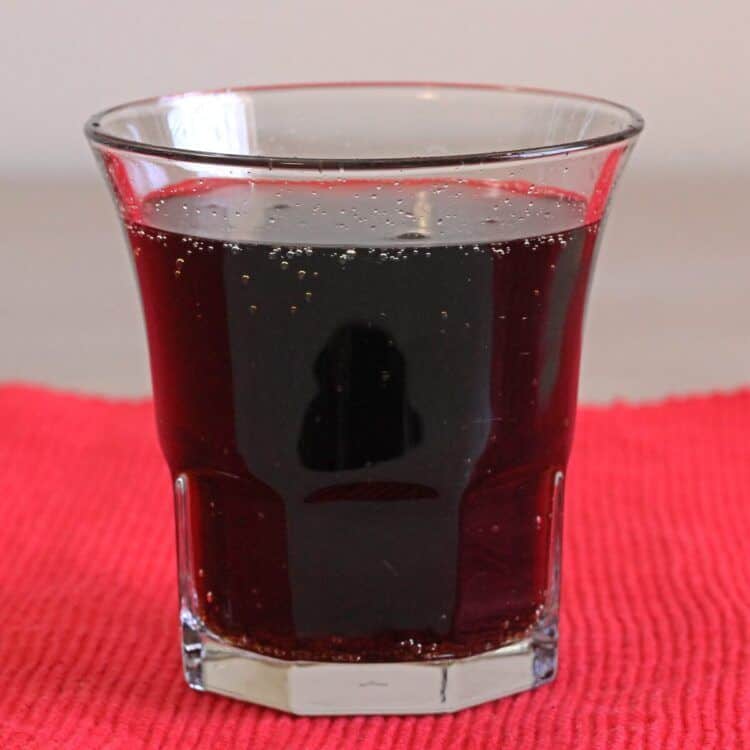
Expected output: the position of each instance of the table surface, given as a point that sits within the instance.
(654, 620)
(667, 312)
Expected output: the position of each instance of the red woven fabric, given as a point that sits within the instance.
(656, 603)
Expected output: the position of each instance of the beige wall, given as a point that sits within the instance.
(668, 311)
(684, 64)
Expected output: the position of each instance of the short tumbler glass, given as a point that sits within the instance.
(364, 306)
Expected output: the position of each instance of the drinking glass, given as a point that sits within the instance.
(363, 305)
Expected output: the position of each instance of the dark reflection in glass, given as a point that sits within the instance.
(361, 414)
(372, 491)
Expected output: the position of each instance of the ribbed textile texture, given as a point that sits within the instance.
(656, 594)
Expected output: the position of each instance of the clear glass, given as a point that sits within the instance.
(364, 305)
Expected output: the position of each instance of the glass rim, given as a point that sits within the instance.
(632, 125)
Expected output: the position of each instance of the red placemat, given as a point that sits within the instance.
(656, 606)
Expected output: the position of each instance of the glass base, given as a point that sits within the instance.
(310, 688)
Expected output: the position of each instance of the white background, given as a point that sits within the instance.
(684, 63)
(668, 311)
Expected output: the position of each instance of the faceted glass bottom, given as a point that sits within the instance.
(311, 688)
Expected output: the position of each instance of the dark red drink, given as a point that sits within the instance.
(370, 433)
